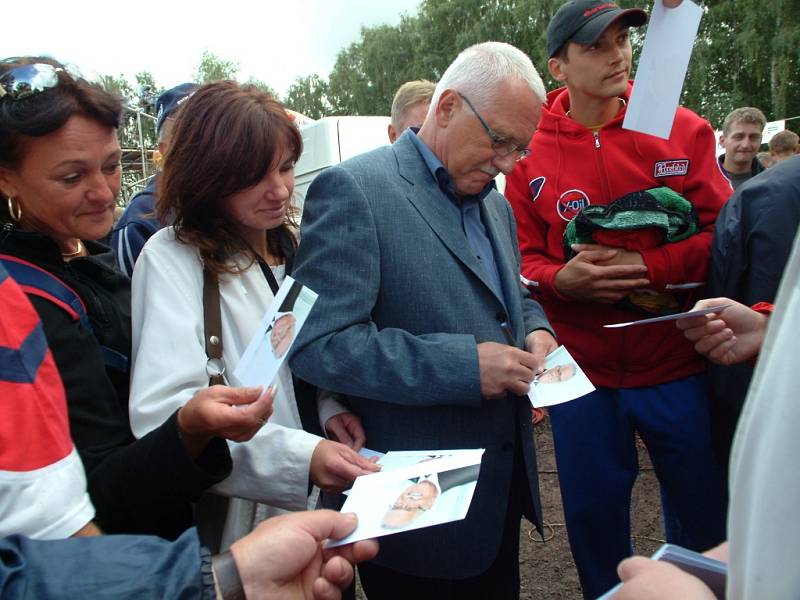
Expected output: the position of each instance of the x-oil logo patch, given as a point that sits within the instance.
(570, 203)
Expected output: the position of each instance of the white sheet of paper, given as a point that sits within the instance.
(545, 391)
(675, 317)
(662, 68)
(266, 351)
(373, 495)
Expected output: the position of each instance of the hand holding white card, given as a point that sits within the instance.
(711, 572)
(675, 317)
(275, 336)
(415, 489)
(662, 68)
(562, 380)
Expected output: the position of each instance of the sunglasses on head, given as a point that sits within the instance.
(26, 80)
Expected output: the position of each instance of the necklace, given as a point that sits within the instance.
(622, 103)
(77, 251)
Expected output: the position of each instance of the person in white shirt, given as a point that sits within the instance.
(763, 535)
(227, 184)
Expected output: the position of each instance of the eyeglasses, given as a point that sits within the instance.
(26, 80)
(500, 145)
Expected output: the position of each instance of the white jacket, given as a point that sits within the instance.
(763, 529)
(168, 367)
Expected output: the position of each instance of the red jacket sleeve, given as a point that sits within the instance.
(708, 190)
(537, 267)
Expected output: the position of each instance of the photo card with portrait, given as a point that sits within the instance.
(415, 489)
(561, 381)
(272, 341)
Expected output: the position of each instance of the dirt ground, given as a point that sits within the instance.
(546, 568)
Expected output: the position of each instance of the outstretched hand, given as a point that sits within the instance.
(733, 336)
(334, 466)
(227, 412)
(646, 579)
(283, 557)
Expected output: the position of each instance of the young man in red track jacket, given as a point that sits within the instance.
(648, 378)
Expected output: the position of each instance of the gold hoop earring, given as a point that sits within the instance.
(14, 213)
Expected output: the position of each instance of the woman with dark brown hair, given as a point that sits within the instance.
(59, 178)
(227, 185)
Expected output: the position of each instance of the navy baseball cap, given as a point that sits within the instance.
(584, 21)
(170, 100)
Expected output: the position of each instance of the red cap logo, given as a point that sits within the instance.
(597, 9)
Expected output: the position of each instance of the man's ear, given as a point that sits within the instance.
(446, 107)
(392, 133)
(554, 66)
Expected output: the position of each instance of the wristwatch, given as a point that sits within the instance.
(226, 576)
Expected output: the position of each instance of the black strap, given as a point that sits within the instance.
(288, 246)
(268, 275)
(212, 322)
(44, 284)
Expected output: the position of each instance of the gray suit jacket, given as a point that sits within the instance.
(403, 303)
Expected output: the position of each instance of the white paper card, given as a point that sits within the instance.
(675, 317)
(415, 489)
(275, 336)
(562, 380)
(662, 68)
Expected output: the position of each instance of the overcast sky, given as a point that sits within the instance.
(272, 41)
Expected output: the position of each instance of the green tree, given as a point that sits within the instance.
(129, 139)
(214, 68)
(449, 26)
(145, 79)
(367, 73)
(309, 96)
(147, 92)
(121, 87)
(747, 54)
(262, 86)
(118, 86)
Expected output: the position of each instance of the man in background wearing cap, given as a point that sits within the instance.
(138, 222)
(649, 379)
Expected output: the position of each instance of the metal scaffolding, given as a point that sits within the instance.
(137, 162)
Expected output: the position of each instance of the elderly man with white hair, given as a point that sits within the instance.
(422, 323)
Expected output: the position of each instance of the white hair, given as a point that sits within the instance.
(478, 71)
